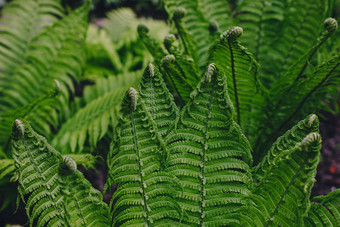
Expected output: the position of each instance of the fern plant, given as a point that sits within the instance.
(184, 142)
(195, 171)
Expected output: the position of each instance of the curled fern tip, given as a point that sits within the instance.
(313, 137)
(169, 59)
(151, 70)
(213, 26)
(70, 164)
(234, 33)
(331, 25)
(134, 97)
(169, 40)
(20, 127)
(142, 28)
(210, 71)
(179, 13)
(312, 119)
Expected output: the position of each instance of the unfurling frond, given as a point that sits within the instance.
(245, 90)
(145, 195)
(287, 141)
(51, 186)
(324, 210)
(281, 198)
(210, 155)
(158, 101)
(56, 53)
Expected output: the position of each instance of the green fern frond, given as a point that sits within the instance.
(195, 23)
(178, 82)
(261, 20)
(293, 136)
(7, 119)
(300, 68)
(55, 193)
(305, 95)
(37, 165)
(210, 155)
(84, 204)
(21, 21)
(299, 32)
(152, 44)
(324, 210)
(144, 195)
(94, 119)
(282, 196)
(57, 53)
(158, 101)
(245, 90)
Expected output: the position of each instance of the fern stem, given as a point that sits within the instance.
(139, 166)
(234, 83)
(205, 149)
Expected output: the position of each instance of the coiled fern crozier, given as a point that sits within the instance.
(208, 138)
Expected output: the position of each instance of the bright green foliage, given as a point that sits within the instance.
(241, 69)
(53, 190)
(325, 210)
(57, 53)
(282, 39)
(281, 198)
(210, 155)
(158, 101)
(22, 21)
(145, 196)
(285, 142)
(94, 119)
(189, 164)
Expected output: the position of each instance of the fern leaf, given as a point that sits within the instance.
(245, 90)
(144, 194)
(261, 20)
(57, 53)
(158, 101)
(21, 21)
(84, 205)
(210, 156)
(37, 166)
(305, 127)
(306, 95)
(153, 46)
(300, 68)
(300, 29)
(55, 193)
(93, 120)
(6, 119)
(282, 196)
(324, 210)
(195, 23)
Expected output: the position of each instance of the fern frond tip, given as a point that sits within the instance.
(142, 29)
(213, 26)
(19, 127)
(169, 59)
(331, 25)
(179, 13)
(234, 33)
(309, 139)
(70, 164)
(133, 97)
(151, 70)
(169, 40)
(210, 71)
(312, 120)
